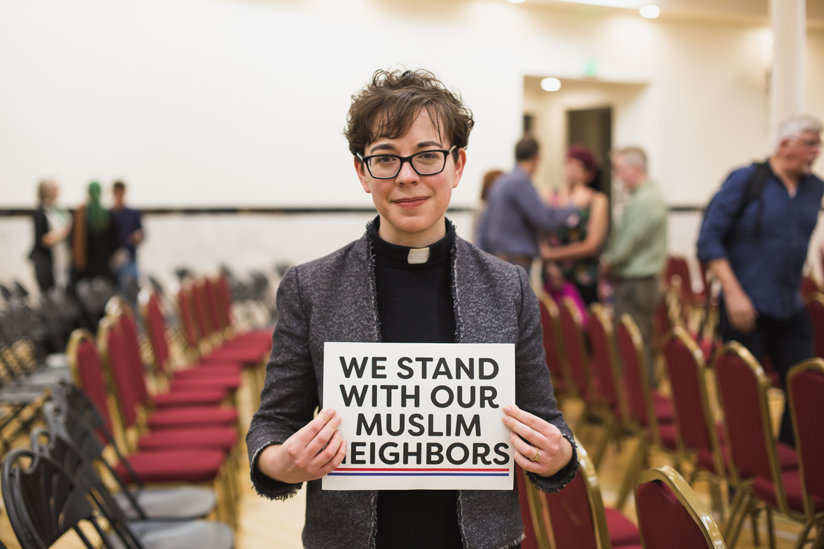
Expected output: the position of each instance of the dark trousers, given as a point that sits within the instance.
(787, 342)
(638, 297)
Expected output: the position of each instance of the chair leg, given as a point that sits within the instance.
(737, 520)
(715, 497)
(636, 464)
(819, 539)
(753, 512)
(770, 528)
(601, 445)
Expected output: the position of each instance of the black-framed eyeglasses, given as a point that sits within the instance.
(388, 166)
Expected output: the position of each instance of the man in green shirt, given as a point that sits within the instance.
(637, 249)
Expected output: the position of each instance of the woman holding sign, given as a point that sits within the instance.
(409, 279)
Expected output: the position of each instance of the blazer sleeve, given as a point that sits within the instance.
(41, 227)
(533, 387)
(289, 396)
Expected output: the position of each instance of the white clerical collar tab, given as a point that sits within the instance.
(417, 256)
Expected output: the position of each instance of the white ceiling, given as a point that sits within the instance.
(718, 10)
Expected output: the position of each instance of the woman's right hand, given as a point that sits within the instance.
(312, 452)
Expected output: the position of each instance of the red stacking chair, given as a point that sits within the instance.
(159, 338)
(575, 352)
(223, 306)
(815, 307)
(203, 463)
(805, 384)
(755, 464)
(612, 399)
(531, 537)
(204, 343)
(561, 379)
(576, 516)
(670, 515)
(651, 409)
(698, 432)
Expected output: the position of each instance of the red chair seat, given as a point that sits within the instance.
(764, 489)
(180, 398)
(204, 369)
(222, 438)
(669, 436)
(202, 465)
(662, 405)
(622, 531)
(192, 416)
(243, 356)
(225, 385)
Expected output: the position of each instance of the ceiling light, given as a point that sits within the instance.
(516, 1)
(632, 4)
(550, 84)
(650, 11)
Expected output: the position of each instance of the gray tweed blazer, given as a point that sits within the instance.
(334, 299)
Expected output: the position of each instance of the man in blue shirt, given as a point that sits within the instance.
(516, 213)
(130, 235)
(758, 255)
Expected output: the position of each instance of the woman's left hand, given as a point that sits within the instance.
(539, 445)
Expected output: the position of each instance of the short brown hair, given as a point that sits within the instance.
(119, 186)
(526, 148)
(389, 104)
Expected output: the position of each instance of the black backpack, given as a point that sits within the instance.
(752, 191)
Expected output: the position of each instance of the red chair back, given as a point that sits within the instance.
(128, 386)
(805, 384)
(665, 504)
(577, 360)
(156, 329)
(87, 371)
(630, 349)
(552, 348)
(188, 317)
(604, 363)
(742, 390)
(815, 307)
(530, 540)
(576, 513)
(687, 373)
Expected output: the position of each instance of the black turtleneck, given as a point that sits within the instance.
(415, 306)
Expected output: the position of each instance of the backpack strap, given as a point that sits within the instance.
(755, 186)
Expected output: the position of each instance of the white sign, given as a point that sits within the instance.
(421, 416)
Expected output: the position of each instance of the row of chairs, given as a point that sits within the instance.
(669, 514)
(167, 423)
(612, 383)
(62, 482)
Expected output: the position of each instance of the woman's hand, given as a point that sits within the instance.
(539, 446)
(312, 452)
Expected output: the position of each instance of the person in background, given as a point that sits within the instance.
(637, 248)
(130, 236)
(410, 279)
(516, 213)
(489, 179)
(758, 253)
(575, 247)
(94, 238)
(50, 253)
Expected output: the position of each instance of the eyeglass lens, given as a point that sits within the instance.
(424, 163)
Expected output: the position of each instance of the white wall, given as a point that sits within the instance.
(242, 102)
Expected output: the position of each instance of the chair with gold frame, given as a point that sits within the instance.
(665, 504)
(758, 463)
(805, 387)
(553, 347)
(698, 433)
(815, 307)
(576, 516)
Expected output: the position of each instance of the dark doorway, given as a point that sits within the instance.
(593, 128)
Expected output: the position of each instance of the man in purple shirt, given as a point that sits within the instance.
(516, 213)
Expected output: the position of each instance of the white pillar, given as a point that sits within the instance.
(787, 82)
